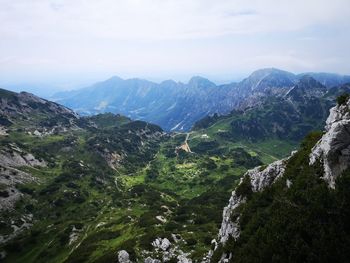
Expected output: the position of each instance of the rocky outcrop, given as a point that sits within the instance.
(123, 257)
(11, 159)
(333, 149)
(18, 159)
(229, 228)
(9, 179)
(18, 226)
(259, 178)
(161, 244)
(74, 235)
(113, 159)
(152, 260)
(167, 251)
(163, 251)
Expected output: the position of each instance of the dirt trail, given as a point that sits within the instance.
(185, 145)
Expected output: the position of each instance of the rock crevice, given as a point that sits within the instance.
(333, 149)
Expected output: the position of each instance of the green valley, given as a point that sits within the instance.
(106, 183)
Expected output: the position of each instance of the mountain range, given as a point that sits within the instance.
(254, 184)
(176, 106)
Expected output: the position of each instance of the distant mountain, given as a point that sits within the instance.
(289, 116)
(338, 90)
(267, 81)
(177, 106)
(329, 79)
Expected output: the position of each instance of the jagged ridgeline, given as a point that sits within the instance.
(288, 116)
(296, 209)
(177, 106)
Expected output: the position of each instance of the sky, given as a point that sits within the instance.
(71, 43)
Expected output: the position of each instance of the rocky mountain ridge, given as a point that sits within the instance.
(289, 116)
(177, 106)
(23, 103)
(37, 115)
(331, 153)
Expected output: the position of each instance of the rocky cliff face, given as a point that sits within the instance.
(255, 180)
(333, 150)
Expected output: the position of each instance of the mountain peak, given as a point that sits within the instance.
(201, 82)
(115, 78)
(308, 82)
(168, 82)
(264, 79)
(110, 81)
(269, 71)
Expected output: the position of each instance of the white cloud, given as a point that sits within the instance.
(184, 36)
(163, 19)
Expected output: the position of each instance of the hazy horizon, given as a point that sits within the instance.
(50, 87)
